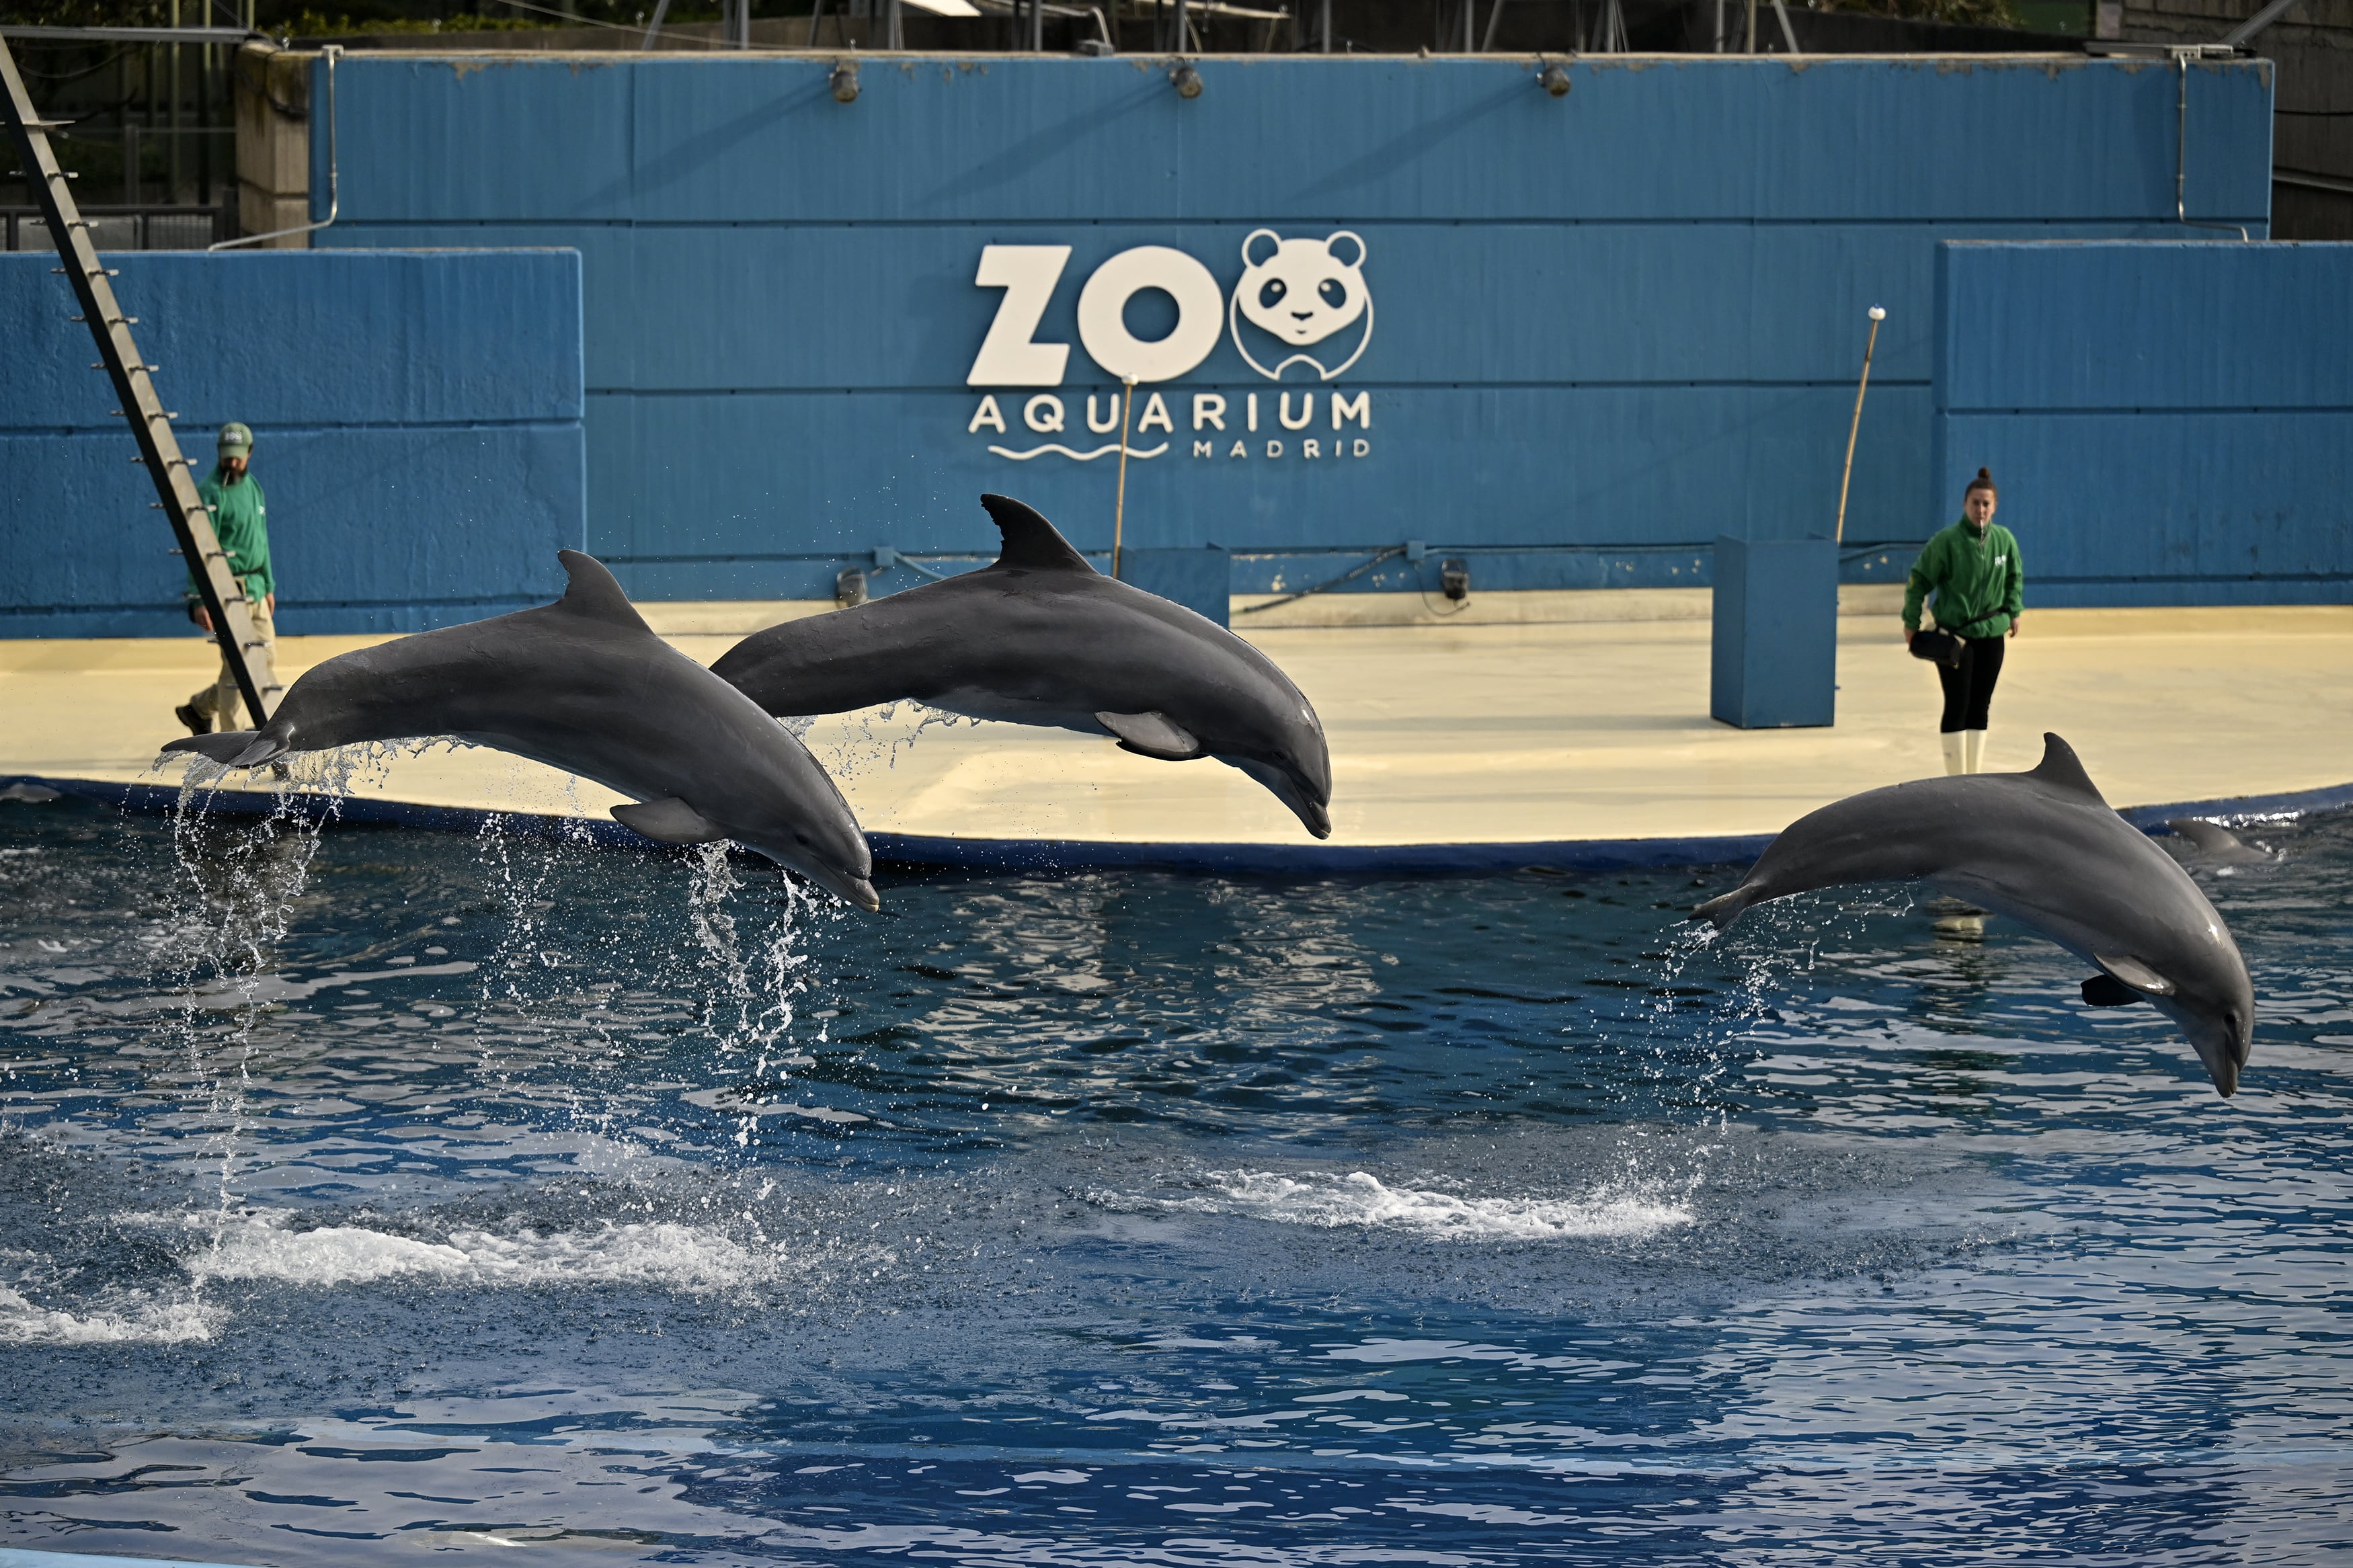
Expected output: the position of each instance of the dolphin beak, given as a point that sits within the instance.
(862, 893)
(1290, 789)
(2222, 1043)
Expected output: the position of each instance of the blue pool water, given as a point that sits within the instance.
(372, 1195)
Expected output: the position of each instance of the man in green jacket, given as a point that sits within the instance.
(1980, 585)
(241, 522)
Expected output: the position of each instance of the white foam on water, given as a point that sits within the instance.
(1358, 1199)
(261, 1247)
(130, 1320)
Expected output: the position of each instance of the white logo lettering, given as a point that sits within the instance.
(1298, 302)
(1299, 292)
(1102, 304)
(1008, 357)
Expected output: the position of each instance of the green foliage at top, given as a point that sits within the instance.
(1971, 12)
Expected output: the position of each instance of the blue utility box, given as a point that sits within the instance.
(1776, 655)
(1200, 579)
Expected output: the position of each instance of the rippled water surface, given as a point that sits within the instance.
(368, 1194)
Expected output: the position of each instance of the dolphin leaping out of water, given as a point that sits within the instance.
(585, 686)
(2046, 849)
(1041, 637)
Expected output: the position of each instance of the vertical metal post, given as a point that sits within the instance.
(1877, 316)
(1183, 24)
(1127, 402)
(221, 591)
(1752, 26)
(1324, 26)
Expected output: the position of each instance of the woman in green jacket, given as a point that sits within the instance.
(1980, 585)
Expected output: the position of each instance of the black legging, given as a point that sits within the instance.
(1968, 686)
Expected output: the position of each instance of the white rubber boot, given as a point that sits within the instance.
(1954, 759)
(1973, 749)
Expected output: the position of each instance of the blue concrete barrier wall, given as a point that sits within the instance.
(2168, 424)
(1605, 328)
(417, 423)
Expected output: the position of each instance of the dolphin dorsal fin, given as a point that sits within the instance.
(1030, 542)
(2060, 769)
(595, 593)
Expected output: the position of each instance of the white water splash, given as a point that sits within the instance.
(133, 1318)
(691, 1258)
(1332, 1202)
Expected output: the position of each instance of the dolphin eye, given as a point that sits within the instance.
(1335, 292)
(1271, 291)
(802, 839)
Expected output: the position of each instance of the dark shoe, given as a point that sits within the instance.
(197, 723)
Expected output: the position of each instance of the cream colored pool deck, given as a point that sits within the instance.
(1449, 743)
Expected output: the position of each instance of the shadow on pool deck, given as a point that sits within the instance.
(1485, 736)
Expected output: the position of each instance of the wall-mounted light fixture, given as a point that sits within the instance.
(848, 588)
(1187, 81)
(844, 81)
(1554, 80)
(1454, 579)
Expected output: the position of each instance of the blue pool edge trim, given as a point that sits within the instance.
(1071, 855)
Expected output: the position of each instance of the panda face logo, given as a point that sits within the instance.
(1300, 293)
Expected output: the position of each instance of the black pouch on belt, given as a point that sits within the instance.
(1941, 648)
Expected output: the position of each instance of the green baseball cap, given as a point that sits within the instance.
(235, 438)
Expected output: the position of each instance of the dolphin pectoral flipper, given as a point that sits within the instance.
(1152, 735)
(236, 748)
(668, 821)
(2132, 971)
(596, 594)
(1031, 543)
(2107, 991)
(2061, 769)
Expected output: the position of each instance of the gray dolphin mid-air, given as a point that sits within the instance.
(2043, 848)
(1041, 637)
(585, 686)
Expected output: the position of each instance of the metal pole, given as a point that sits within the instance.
(222, 592)
(1324, 26)
(1119, 512)
(1878, 314)
(1752, 26)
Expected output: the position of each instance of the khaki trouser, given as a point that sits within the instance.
(221, 703)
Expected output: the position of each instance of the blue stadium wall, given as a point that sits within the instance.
(418, 435)
(2170, 424)
(1604, 328)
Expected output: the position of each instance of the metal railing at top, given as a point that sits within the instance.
(126, 229)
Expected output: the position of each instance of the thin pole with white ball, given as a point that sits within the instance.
(1119, 508)
(1878, 314)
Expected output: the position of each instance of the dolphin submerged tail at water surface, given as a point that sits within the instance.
(584, 685)
(2046, 849)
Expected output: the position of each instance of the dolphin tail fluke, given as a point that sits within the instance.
(1728, 908)
(236, 748)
